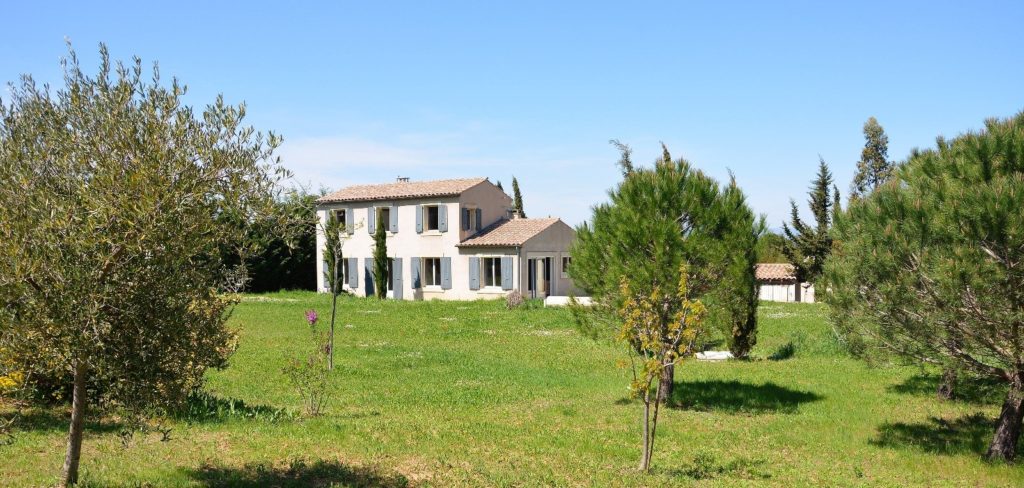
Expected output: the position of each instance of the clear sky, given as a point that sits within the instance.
(367, 91)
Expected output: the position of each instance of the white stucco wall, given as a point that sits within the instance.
(786, 292)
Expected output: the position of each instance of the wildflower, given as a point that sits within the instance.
(311, 317)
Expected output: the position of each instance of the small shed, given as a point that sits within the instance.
(777, 282)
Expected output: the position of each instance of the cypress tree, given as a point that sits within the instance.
(806, 246)
(380, 261)
(517, 198)
(874, 167)
(502, 188)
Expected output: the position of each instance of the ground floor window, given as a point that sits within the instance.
(431, 271)
(566, 261)
(391, 274)
(492, 271)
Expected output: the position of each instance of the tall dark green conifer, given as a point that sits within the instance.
(380, 261)
(874, 167)
(806, 246)
(517, 198)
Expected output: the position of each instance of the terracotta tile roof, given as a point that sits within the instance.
(402, 190)
(774, 272)
(513, 232)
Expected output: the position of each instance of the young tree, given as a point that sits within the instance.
(380, 261)
(655, 342)
(874, 167)
(517, 198)
(928, 268)
(112, 194)
(659, 218)
(807, 247)
(334, 236)
(498, 184)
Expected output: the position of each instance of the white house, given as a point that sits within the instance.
(448, 239)
(777, 283)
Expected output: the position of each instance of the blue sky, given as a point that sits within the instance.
(367, 91)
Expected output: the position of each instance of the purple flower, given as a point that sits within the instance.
(311, 317)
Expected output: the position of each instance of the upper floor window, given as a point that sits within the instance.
(340, 215)
(566, 261)
(431, 218)
(384, 217)
(491, 271)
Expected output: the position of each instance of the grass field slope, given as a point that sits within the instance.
(450, 394)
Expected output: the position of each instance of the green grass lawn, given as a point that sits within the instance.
(442, 394)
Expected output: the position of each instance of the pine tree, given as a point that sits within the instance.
(502, 188)
(517, 198)
(929, 268)
(874, 167)
(380, 261)
(807, 247)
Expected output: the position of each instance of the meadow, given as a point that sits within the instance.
(453, 394)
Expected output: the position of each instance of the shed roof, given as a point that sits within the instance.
(402, 190)
(504, 233)
(775, 272)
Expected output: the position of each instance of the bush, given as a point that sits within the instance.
(514, 300)
(309, 374)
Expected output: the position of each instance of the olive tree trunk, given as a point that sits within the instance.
(74, 453)
(947, 386)
(1004, 443)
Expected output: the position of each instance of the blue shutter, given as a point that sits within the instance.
(397, 283)
(414, 273)
(394, 219)
(479, 219)
(465, 219)
(446, 273)
(327, 276)
(368, 277)
(419, 219)
(349, 221)
(353, 273)
(506, 273)
(442, 217)
(371, 217)
(474, 273)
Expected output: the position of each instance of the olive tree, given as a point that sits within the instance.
(115, 202)
(929, 267)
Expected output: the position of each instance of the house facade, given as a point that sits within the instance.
(452, 239)
(777, 282)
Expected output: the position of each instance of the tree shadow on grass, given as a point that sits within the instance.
(976, 391)
(970, 433)
(736, 397)
(205, 407)
(297, 473)
(43, 419)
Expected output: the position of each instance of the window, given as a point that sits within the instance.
(391, 274)
(492, 271)
(431, 218)
(340, 215)
(343, 273)
(384, 217)
(431, 272)
(566, 261)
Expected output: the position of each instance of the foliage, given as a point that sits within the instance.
(657, 219)
(769, 248)
(380, 261)
(115, 203)
(929, 265)
(656, 344)
(517, 198)
(874, 167)
(514, 300)
(309, 373)
(808, 247)
(335, 235)
(285, 260)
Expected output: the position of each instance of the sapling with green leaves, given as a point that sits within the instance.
(335, 235)
(656, 342)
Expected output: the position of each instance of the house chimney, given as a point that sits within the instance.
(402, 179)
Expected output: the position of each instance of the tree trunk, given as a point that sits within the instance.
(947, 387)
(1004, 443)
(74, 453)
(666, 384)
(334, 310)
(645, 424)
